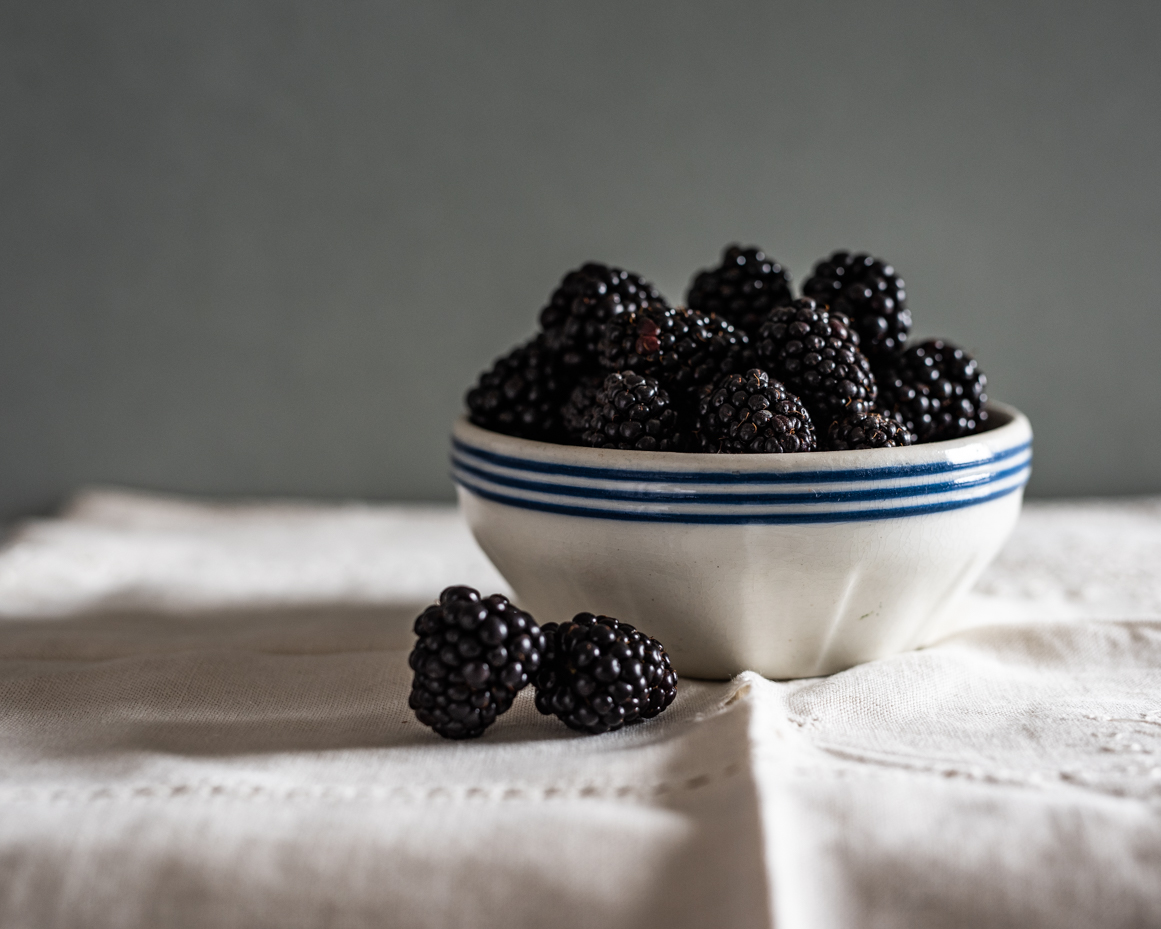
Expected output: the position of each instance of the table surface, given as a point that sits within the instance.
(203, 722)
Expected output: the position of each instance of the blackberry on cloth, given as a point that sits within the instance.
(599, 674)
(520, 394)
(816, 354)
(742, 289)
(869, 292)
(586, 299)
(871, 431)
(751, 413)
(936, 390)
(473, 655)
(630, 412)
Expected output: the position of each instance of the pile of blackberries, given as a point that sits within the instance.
(614, 365)
(474, 654)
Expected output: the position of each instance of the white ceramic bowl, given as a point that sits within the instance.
(789, 565)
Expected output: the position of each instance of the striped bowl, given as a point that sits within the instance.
(790, 565)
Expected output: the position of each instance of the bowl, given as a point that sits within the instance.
(788, 565)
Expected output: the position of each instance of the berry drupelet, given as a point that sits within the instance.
(632, 412)
(752, 414)
(521, 394)
(816, 354)
(742, 289)
(599, 674)
(871, 431)
(680, 347)
(473, 655)
(936, 390)
(870, 293)
(586, 299)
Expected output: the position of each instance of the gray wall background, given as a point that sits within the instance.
(263, 248)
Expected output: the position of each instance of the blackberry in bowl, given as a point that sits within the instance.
(868, 292)
(627, 411)
(751, 413)
(817, 354)
(743, 288)
(584, 302)
(936, 390)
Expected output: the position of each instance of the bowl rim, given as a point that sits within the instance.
(1012, 434)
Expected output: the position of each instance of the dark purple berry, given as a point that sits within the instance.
(867, 291)
(681, 348)
(752, 414)
(629, 412)
(936, 390)
(586, 299)
(599, 674)
(816, 354)
(473, 655)
(742, 289)
(521, 394)
(873, 430)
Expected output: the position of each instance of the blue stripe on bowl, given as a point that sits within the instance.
(890, 472)
(855, 495)
(727, 518)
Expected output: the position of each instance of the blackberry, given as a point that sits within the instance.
(472, 657)
(874, 430)
(870, 293)
(751, 413)
(936, 390)
(521, 394)
(575, 412)
(742, 289)
(680, 347)
(633, 412)
(816, 354)
(586, 299)
(599, 674)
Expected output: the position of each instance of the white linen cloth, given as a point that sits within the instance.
(203, 722)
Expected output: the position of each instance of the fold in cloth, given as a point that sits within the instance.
(203, 721)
